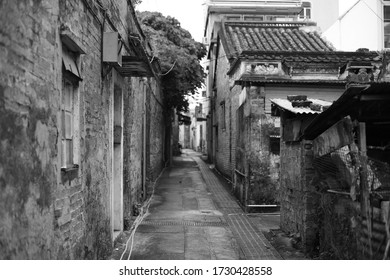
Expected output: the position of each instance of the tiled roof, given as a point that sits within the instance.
(309, 56)
(316, 106)
(273, 36)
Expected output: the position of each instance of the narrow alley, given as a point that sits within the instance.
(194, 130)
(192, 216)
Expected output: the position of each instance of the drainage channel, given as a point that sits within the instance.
(184, 223)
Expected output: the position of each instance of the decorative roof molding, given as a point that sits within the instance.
(269, 24)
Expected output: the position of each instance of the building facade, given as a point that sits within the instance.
(252, 61)
(81, 127)
(333, 167)
(353, 24)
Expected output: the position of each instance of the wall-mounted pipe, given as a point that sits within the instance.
(144, 142)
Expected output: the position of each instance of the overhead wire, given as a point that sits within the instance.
(169, 69)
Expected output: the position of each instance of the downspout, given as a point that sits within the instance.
(144, 147)
(247, 156)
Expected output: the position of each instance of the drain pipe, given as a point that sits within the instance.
(144, 144)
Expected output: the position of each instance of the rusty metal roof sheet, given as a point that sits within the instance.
(287, 105)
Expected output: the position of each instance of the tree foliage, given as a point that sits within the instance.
(179, 56)
(136, 2)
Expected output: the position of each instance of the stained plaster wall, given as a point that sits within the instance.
(299, 198)
(29, 98)
(224, 151)
(141, 90)
(320, 220)
(257, 144)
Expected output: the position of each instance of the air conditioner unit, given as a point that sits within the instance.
(206, 41)
(112, 48)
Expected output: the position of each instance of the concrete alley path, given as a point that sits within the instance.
(192, 216)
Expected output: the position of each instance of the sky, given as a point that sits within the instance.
(188, 12)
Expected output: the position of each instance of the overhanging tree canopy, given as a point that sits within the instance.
(179, 56)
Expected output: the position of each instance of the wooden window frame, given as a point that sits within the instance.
(69, 114)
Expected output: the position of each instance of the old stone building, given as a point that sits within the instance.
(81, 126)
(333, 178)
(255, 58)
(349, 175)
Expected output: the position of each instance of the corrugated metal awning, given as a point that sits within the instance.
(287, 105)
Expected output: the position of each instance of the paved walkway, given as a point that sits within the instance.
(192, 216)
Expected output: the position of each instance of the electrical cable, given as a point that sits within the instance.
(169, 69)
(139, 219)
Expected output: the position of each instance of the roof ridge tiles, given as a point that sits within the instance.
(273, 24)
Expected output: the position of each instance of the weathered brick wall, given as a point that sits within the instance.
(299, 196)
(29, 98)
(47, 213)
(224, 154)
(339, 227)
(292, 191)
(263, 185)
(133, 148)
(233, 105)
(94, 237)
(157, 130)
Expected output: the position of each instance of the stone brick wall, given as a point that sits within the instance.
(325, 223)
(299, 196)
(47, 213)
(134, 147)
(224, 155)
(291, 187)
(257, 143)
(29, 98)
(157, 131)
